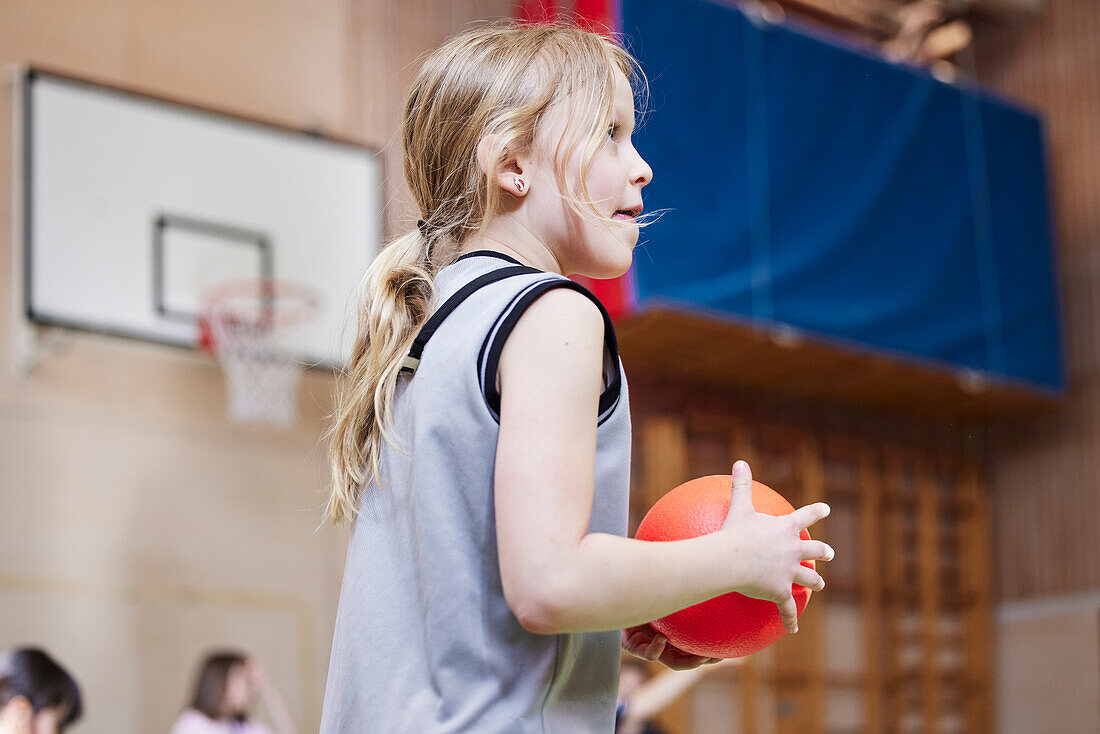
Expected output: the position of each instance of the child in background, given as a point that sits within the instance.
(37, 695)
(641, 696)
(225, 690)
(481, 437)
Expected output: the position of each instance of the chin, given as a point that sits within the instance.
(616, 260)
(607, 269)
(619, 271)
(606, 257)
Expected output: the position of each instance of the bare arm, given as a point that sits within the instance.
(661, 690)
(556, 576)
(276, 705)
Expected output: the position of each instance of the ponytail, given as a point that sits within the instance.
(395, 296)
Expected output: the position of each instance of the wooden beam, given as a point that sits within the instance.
(975, 543)
(664, 457)
(725, 355)
(896, 578)
(872, 572)
(928, 583)
(870, 17)
(1011, 9)
(665, 466)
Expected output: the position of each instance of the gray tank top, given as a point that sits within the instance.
(425, 642)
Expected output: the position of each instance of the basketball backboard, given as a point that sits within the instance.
(134, 206)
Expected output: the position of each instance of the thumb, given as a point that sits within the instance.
(741, 491)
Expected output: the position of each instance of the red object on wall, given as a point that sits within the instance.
(601, 16)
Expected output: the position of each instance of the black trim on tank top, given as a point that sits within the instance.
(488, 253)
(489, 357)
(412, 359)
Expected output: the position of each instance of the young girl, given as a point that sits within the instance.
(37, 695)
(225, 690)
(482, 435)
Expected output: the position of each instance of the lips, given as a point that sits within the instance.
(629, 214)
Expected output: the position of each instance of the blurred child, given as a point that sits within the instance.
(37, 695)
(225, 690)
(641, 696)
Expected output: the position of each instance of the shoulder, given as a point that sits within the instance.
(561, 308)
(559, 325)
(194, 722)
(552, 335)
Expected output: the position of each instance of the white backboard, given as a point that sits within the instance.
(135, 205)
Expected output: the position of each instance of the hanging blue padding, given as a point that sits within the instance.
(818, 186)
(1022, 233)
(694, 136)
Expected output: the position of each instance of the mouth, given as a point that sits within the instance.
(629, 214)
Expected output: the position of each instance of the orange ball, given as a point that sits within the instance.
(731, 625)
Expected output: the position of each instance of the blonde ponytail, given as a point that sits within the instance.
(394, 295)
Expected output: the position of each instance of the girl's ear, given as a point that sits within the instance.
(502, 167)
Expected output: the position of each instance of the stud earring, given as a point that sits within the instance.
(519, 184)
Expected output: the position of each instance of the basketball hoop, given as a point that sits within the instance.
(252, 327)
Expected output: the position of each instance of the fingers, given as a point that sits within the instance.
(806, 516)
(788, 613)
(815, 550)
(729, 662)
(636, 640)
(741, 496)
(809, 578)
(644, 642)
(676, 659)
(655, 648)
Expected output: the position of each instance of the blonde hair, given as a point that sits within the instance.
(495, 80)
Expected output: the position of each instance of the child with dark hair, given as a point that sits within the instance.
(225, 689)
(37, 695)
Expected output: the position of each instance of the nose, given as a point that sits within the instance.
(641, 173)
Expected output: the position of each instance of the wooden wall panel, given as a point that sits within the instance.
(1045, 474)
(908, 649)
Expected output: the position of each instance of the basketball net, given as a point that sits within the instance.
(252, 327)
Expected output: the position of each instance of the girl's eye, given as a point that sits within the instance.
(613, 132)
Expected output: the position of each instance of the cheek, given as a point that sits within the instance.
(602, 184)
(45, 722)
(240, 691)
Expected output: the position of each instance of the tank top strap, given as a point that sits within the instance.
(412, 359)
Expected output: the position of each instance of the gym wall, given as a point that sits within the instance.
(1045, 474)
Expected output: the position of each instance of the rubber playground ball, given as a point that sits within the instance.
(731, 625)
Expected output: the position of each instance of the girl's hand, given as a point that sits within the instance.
(648, 644)
(729, 662)
(769, 551)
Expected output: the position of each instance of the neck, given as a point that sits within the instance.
(511, 237)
